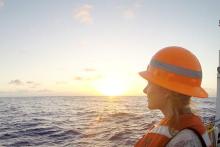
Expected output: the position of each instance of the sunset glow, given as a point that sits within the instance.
(50, 48)
(111, 86)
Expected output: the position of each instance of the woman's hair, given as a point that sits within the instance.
(177, 105)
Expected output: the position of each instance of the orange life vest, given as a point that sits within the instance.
(160, 135)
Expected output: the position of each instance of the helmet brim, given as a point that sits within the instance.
(174, 86)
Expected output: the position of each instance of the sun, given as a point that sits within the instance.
(111, 86)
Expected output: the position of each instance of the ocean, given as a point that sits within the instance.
(81, 121)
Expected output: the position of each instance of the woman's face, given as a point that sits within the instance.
(157, 96)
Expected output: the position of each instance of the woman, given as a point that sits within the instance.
(174, 75)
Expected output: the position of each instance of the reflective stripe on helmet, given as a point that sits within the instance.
(176, 69)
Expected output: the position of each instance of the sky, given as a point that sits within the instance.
(97, 47)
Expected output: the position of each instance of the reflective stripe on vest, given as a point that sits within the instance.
(162, 134)
(176, 69)
(162, 130)
(165, 131)
(205, 137)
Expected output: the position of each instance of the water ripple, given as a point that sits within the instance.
(79, 121)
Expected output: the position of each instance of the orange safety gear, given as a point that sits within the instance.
(160, 135)
(176, 69)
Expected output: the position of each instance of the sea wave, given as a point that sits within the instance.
(80, 121)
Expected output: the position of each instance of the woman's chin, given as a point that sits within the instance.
(150, 107)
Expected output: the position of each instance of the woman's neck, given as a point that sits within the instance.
(185, 110)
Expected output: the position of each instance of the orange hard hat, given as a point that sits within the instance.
(176, 69)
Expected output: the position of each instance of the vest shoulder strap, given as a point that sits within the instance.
(200, 137)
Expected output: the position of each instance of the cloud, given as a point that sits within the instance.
(29, 84)
(131, 11)
(89, 69)
(138, 4)
(83, 14)
(87, 78)
(88, 74)
(26, 92)
(129, 14)
(14, 93)
(78, 78)
(4, 93)
(32, 84)
(44, 91)
(16, 82)
(2, 3)
(61, 82)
